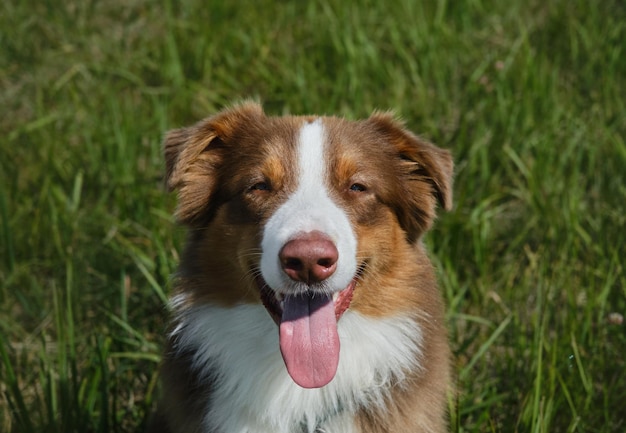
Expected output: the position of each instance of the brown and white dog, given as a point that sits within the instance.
(305, 301)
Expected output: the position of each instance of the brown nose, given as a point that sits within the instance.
(309, 258)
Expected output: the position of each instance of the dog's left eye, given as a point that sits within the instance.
(358, 187)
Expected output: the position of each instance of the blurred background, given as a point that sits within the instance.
(528, 95)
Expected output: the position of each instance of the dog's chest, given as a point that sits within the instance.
(238, 349)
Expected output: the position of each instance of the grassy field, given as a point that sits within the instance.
(529, 95)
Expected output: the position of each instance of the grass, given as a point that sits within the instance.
(529, 95)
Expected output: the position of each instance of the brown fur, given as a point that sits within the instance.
(212, 164)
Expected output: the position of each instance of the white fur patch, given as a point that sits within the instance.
(308, 209)
(252, 391)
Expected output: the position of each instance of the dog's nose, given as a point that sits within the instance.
(309, 258)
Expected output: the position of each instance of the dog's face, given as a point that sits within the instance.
(305, 215)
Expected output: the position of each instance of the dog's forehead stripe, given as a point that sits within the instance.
(311, 159)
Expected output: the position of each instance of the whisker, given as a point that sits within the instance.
(253, 252)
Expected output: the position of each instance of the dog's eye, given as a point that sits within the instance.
(260, 186)
(358, 187)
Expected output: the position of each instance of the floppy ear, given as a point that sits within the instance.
(425, 173)
(193, 156)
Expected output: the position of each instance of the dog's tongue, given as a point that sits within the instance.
(309, 341)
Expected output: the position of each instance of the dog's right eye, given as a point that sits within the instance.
(260, 186)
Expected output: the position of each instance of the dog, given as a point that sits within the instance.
(304, 300)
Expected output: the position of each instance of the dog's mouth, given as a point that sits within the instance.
(275, 303)
(307, 321)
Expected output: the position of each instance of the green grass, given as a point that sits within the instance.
(529, 95)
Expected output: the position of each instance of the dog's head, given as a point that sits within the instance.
(303, 214)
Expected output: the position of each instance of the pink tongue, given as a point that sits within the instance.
(308, 339)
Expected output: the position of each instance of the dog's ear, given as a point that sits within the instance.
(425, 172)
(193, 156)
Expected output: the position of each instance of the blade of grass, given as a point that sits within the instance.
(484, 347)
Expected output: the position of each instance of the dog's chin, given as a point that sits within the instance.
(274, 301)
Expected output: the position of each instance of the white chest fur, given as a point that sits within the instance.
(252, 391)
